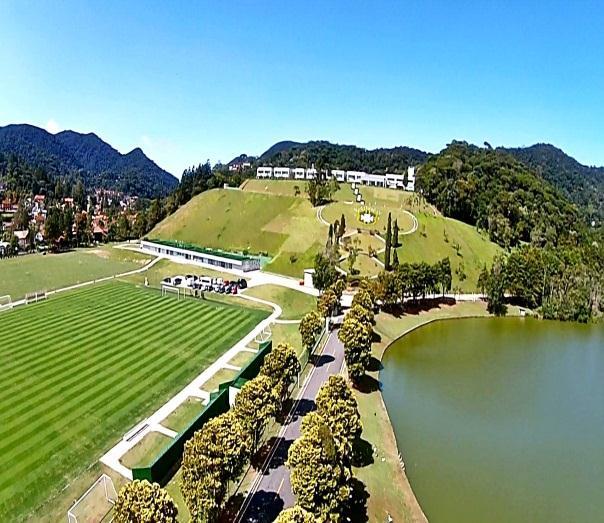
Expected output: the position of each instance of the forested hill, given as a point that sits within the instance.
(347, 157)
(581, 184)
(495, 191)
(86, 156)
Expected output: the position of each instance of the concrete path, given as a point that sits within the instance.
(113, 456)
(271, 490)
(257, 278)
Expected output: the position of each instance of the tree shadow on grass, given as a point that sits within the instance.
(374, 364)
(368, 384)
(357, 509)
(362, 453)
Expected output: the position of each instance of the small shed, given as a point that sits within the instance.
(308, 278)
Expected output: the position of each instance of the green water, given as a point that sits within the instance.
(501, 420)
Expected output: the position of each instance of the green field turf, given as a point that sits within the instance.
(294, 304)
(35, 272)
(82, 368)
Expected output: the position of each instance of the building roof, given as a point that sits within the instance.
(201, 250)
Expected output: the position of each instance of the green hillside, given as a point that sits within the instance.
(284, 227)
(268, 217)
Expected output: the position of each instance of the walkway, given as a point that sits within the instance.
(271, 490)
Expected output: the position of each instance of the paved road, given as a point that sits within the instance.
(271, 491)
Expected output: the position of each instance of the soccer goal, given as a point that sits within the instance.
(5, 303)
(169, 289)
(94, 505)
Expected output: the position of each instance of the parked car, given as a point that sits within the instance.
(242, 283)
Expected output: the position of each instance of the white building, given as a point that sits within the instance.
(281, 172)
(264, 172)
(339, 175)
(389, 180)
(410, 179)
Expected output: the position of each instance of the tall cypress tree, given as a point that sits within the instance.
(395, 262)
(395, 242)
(342, 230)
(388, 242)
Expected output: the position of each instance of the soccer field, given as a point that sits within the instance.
(81, 369)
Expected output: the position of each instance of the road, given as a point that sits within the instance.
(271, 490)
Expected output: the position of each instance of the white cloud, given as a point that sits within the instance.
(52, 126)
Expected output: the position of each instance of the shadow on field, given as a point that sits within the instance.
(357, 512)
(368, 384)
(362, 453)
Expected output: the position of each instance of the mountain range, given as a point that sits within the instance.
(88, 157)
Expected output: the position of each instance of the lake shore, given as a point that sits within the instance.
(385, 479)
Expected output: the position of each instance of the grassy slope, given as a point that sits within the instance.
(68, 394)
(35, 272)
(266, 216)
(294, 304)
(284, 226)
(430, 244)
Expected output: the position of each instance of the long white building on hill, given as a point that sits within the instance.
(390, 180)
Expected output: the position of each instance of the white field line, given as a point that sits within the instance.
(112, 457)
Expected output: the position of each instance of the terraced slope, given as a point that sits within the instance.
(82, 368)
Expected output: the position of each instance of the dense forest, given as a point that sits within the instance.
(582, 185)
(347, 157)
(85, 156)
(500, 195)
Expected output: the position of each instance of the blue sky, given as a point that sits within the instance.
(188, 81)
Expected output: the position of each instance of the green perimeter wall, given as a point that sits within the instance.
(169, 459)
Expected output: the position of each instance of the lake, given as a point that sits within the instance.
(500, 419)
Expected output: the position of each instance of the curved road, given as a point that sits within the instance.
(271, 490)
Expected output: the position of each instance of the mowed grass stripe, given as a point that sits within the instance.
(63, 338)
(57, 312)
(63, 351)
(62, 377)
(24, 457)
(23, 314)
(66, 406)
(63, 345)
(229, 329)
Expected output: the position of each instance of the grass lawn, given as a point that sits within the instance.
(84, 367)
(334, 211)
(221, 376)
(366, 265)
(389, 489)
(36, 272)
(294, 304)
(241, 358)
(287, 333)
(146, 450)
(285, 227)
(182, 417)
(436, 239)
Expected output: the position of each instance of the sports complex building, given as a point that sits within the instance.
(389, 180)
(183, 252)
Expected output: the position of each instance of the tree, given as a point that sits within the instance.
(395, 262)
(328, 302)
(444, 275)
(78, 194)
(495, 288)
(296, 514)
(358, 312)
(257, 402)
(395, 242)
(318, 479)
(282, 366)
(310, 327)
(363, 298)
(144, 502)
(356, 337)
(330, 237)
(123, 227)
(337, 405)
(342, 229)
(53, 226)
(21, 218)
(353, 252)
(213, 457)
(388, 243)
(325, 272)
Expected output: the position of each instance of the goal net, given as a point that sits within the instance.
(95, 504)
(168, 289)
(5, 302)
